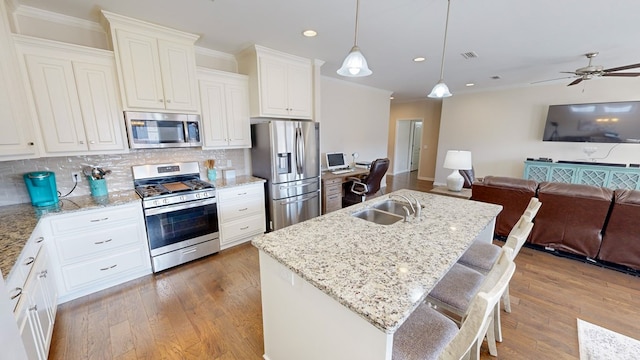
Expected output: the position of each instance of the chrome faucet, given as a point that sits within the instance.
(405, 198)
(416, 210)
(418, 207)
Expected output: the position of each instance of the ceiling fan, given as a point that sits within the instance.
(590, 71)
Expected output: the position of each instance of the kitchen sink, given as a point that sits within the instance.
(377, 216)
(394, 207)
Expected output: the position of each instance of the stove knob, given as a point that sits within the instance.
(166, 201)
(155, 203)
(182, 198)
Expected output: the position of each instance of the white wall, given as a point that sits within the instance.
(502, 128)
(355, 118)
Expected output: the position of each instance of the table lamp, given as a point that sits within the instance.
(456, 160)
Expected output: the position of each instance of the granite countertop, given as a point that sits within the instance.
(237, 181)
(17, 222)
(381, 272)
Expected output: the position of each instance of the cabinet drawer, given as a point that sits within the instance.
(71, 247)
(240, 192)
(102, 217)
(333, 189)
(102, 268)
(253, 225)
(238, 209)
(333, 202)
(334, 181)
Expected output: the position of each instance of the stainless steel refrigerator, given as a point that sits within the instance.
(287, 154)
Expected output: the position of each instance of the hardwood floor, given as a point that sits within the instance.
(210, 309)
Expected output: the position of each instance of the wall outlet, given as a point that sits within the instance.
(76, 177)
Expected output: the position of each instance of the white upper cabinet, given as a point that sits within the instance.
(17, 139)
(224, 101)
(75, 98)
(281, 84)
(156, 65)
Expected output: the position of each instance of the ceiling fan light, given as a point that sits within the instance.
(354, 65)
(441, 90)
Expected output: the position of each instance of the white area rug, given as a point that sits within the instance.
(599, 343)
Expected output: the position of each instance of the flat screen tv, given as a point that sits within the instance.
(613, 122)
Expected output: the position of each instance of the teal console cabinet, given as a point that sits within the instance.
(612, 177)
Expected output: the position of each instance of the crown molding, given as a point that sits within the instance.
(214, 53)
(29, 11)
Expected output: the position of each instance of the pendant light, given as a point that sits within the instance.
(355, 65)
(441, 90)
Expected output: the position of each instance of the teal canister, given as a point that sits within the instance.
(42, 189)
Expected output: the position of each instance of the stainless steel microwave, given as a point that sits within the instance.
(149, 130)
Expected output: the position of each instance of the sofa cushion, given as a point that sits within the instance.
(572, 217)
(513, 194)
(621, 241)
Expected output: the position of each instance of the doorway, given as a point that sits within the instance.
(408, 143)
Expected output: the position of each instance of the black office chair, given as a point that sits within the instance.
(368, 185)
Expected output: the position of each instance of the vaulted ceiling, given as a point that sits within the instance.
(520, 42)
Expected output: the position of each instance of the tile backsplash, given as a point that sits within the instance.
(14, 191)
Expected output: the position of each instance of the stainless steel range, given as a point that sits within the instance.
(180, 213)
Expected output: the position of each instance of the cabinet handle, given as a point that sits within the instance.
(39, 239)
(43, 274)
(243, 209)
(240, 194)
(168, 100)
(110, 267)
(18, 293)
(102, 242)
(91, 142)
(98, 220)
(244, 228)
(34, 308)
(30, 260)
(31, 143)
(160, 100)
(81, 142)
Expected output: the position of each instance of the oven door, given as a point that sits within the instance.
(177, 226)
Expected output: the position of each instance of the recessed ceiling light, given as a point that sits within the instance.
(469, 84)
(391, 98)
(309, 33)
(419, 59)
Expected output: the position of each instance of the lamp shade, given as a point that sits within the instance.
(354, 65)
(458, 160)
(440, 90)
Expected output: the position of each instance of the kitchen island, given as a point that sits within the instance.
(338, 287)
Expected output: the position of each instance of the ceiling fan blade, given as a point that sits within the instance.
(568, 72)
(622, 68)
(576, 81)
(562, 78)
(625, 74)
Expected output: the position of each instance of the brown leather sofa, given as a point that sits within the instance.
(572, 217)
(512, 193)
(621, 242)
(586, 221)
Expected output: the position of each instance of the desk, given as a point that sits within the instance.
(332, 191)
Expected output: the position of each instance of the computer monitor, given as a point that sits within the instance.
(335, 161)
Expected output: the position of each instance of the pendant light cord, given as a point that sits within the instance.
(444, 45)
(355, 39)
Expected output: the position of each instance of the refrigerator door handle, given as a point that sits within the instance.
(299, 200)
(299, 150)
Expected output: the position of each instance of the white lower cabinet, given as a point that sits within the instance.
(32, 297)
(36, 310)
(97, 249)
(241, 212)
